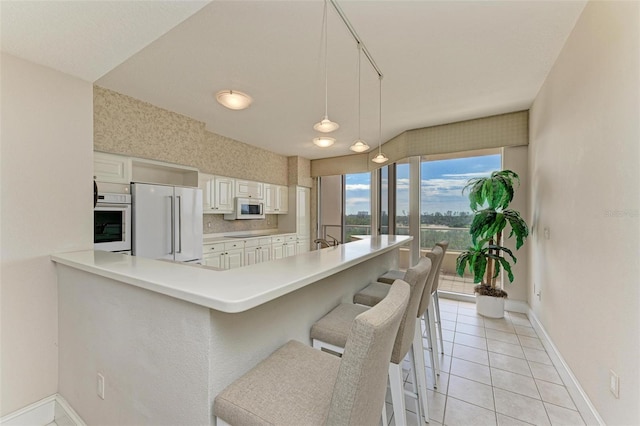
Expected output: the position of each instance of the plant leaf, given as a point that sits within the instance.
(507, 267)
(478, 265)
(461, 262)
(518, 227)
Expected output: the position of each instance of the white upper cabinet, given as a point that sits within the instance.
(249, 189)
(111, 168)
(217, 193)
(276, 199)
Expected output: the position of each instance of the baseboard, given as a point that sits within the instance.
(68, 411)
(42, 413)
(579, 396)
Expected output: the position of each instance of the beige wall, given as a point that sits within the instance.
(515, 158)
(584, 173)
(124, 125)
(46, 208)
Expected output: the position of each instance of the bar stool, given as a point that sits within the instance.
(330, 332)
(390, 276)
(375, 292)
(298, 385)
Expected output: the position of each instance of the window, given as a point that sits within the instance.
(444, 210)
(402, 199)
(357, 205)
(384, 200)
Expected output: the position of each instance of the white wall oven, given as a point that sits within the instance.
(112, 222)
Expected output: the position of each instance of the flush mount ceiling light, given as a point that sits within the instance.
(233, 99)
(325, 125)
(324, 141)
(380, 158)
(359, 145)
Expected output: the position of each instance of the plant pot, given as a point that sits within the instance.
(489, 306)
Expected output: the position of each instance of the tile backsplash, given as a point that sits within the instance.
(215, 224)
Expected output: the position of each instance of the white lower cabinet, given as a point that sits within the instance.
(302, 245)
(237, 253)
(213, 255)
(223, 255)
(234, 259)
(283, 246)
(277, 251)
(290, 245)
(257, 250)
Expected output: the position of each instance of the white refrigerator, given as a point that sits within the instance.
(167, 222)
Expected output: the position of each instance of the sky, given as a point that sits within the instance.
(441, 188)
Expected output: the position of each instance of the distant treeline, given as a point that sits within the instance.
(449, 219)
(459, 239)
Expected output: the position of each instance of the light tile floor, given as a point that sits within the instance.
(456, 283)
(494, 372)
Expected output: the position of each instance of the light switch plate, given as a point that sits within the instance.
(614, 384)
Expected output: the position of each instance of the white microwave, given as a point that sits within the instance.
(247, 208)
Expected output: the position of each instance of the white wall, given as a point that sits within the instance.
(46, 160)
(584, 169)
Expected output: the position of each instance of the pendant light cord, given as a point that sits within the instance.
(380, 119)
(359, 88)
(326, 60)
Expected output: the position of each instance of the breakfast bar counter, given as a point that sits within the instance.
(233, 290)
(167, 337)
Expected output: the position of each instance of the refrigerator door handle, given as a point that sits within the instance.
(173, 225)
(179, 224)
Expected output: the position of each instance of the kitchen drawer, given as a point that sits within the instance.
(257, 242)
(234, 245)
(290, 237)
(251, 242)
(212, 248)
(277, 239)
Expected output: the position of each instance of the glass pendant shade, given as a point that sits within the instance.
(359, 146)
(380, 158)
(324, 141)
(326, 125)
(233, 100)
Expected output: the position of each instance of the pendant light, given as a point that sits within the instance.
(325, 125)
(380, 158)
(359, 145)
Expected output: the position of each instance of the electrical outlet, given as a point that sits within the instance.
(614, 384)
(100, 386)
(208, 225)
(547, 233)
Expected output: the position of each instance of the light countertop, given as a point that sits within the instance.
(234, 290)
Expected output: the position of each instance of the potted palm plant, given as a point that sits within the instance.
(489, 199)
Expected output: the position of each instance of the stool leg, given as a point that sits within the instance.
(415, 392)
(421, 373)
(437, 312)
(430, 323)
(384, 412)
(397, 394)
(432, 350)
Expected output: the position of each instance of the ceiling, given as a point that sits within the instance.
(442, 61)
